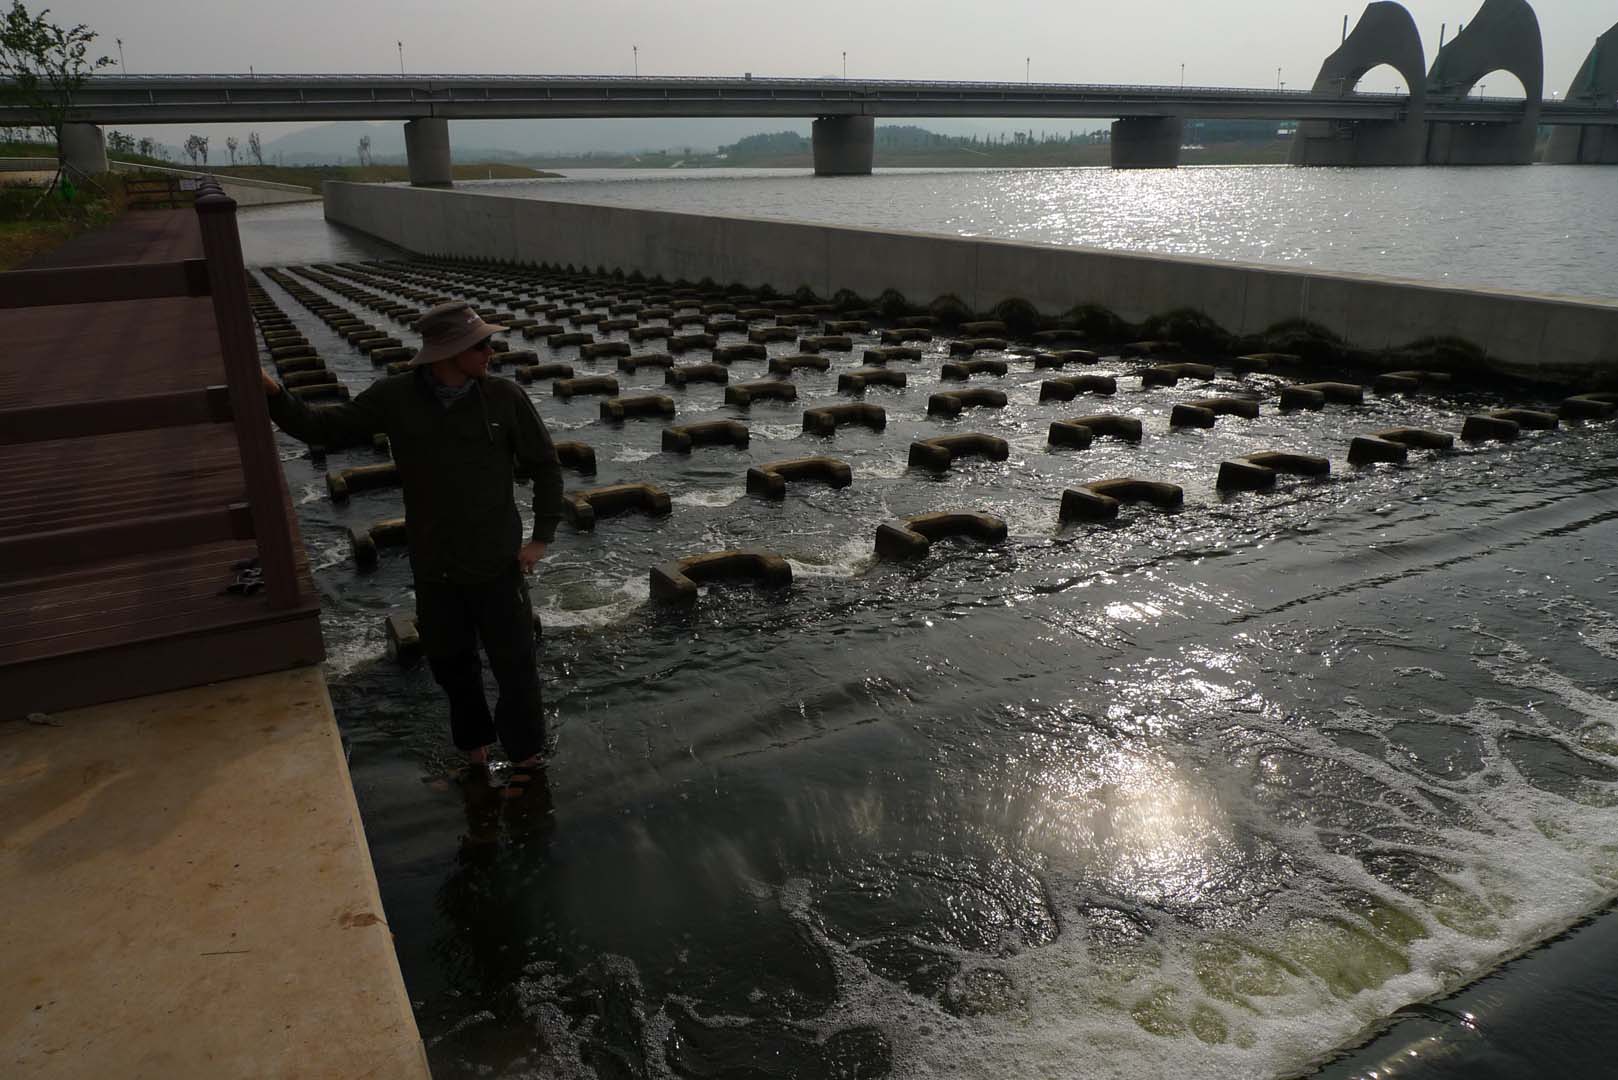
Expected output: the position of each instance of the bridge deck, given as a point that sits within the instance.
(127, 624)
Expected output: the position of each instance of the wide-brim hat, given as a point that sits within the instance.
(449, 329)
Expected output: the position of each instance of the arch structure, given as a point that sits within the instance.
(1385, 34)
(1596, 83)
(1502, 36)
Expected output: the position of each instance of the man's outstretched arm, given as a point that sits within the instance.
(348, 424)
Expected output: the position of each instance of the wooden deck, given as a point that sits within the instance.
(95, 602)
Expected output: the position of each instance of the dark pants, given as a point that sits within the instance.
(452, 620)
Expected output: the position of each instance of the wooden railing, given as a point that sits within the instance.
(169, 191)
(221, 275)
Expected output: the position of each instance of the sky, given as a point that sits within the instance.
(1230, 43)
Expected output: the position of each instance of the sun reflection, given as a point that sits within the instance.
(1131, 820)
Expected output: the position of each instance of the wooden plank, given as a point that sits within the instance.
(86, 543)
(143, 412)
(103, 284)
(211, 653)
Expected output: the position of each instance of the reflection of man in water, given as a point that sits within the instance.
(455, 433)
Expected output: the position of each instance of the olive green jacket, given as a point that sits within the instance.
(456, 465)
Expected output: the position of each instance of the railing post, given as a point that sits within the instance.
(261, 464)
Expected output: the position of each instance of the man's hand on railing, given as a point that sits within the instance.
(271, 387)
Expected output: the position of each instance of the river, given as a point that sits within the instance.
(1206, 793)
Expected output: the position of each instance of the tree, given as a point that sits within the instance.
(231, 144)
(147, 148)
(120, 143)
(196, 147)
(47, 65)
(365, 150)
(255, 147)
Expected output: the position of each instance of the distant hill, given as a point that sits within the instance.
(506, 140)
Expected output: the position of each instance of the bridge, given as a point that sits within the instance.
(1438, 121)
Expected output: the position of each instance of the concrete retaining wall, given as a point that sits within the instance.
(1543, 337)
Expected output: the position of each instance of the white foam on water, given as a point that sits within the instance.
(1254, 996)
(625, 454)
(716, 498)
(776, 432)
(852, 559)
(619, 597)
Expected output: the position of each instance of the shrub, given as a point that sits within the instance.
(1191, 328)
(1099, 323)
(803, 294)
(1308, 340)
(1438, 354)
(892, 304)
(847, 300)
(1020, 316)
(950, 310)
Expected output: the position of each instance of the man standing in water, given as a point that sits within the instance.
(455, 433)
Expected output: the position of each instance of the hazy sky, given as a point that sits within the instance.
(1230, 43)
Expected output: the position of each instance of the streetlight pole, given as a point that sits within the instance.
(845, 63)
(636, 50)
(401, 56)
(120, 42)
(1028, 69)
(1278, 78)
(1182, 76)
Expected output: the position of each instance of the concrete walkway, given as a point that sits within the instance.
(185, 891)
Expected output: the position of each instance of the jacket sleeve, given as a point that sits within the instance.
(347, 424)
(533, 449)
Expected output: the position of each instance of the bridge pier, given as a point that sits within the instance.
(1596, 83)
(1147, 142)
(1451, 143)
(1385, 34)
(1582, 144)
(84, 148)
(427, 152)
(844, 145)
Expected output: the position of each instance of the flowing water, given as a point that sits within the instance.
(1194, 794)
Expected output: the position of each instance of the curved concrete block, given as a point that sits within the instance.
(951, 403)
(681, 440)
(676, 582)
(913, 537)
(581, 509)
(631, 364)
(685, 374)
(585, 384)
(961, 370)
(536, 372)
(744, 394)
(786, 365)
(770, 479)
(940, 453)
(1069, 388)
(826, 419)
(856, 381)
(619, 409)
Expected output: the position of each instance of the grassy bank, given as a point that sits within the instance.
(28, 228)
(312, 176)
(309, 176)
